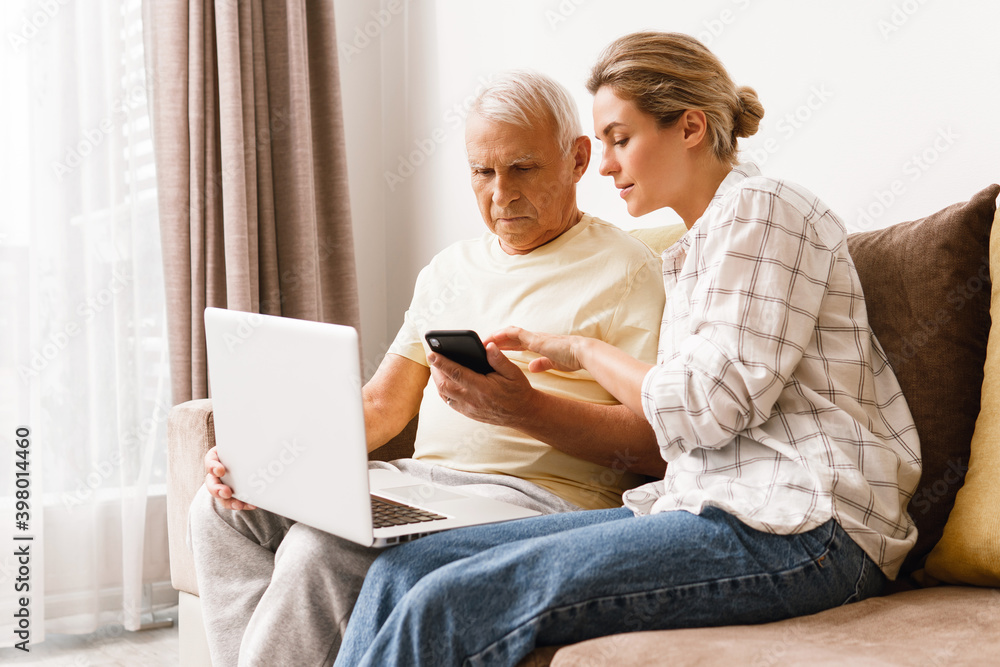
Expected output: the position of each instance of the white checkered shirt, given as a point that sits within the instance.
(771, 398)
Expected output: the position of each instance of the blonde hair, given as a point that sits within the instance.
(666, 73)
(523, 97)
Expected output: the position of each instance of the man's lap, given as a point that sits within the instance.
(506, 488)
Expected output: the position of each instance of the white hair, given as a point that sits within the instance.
(522, 97)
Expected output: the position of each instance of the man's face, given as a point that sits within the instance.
(525, 186)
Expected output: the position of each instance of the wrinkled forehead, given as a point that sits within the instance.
(492, 143)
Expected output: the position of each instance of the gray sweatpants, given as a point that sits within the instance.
(274, 591)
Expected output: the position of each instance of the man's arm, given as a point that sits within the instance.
(392, 398)
(610, 435)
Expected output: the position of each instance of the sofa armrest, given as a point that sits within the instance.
(400, 447)
(190, 434)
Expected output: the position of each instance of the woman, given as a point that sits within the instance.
(791, 451)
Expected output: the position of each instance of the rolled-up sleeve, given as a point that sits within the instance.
(751, 289)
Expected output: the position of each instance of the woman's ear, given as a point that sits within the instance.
(694, 127)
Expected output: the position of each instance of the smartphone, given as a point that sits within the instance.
(461, 346)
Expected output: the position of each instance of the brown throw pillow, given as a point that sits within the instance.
(927, 288)
(969, 550)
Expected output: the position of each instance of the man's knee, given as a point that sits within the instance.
(325, 569)
(309, 543)
(308, 547)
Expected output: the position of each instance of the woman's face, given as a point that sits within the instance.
(647, 162)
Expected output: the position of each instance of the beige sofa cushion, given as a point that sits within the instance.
(659, 238)
(969, 550)
(948, 625)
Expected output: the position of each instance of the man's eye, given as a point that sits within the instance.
(522, 168)
(482, 172)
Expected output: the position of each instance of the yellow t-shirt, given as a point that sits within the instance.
(594, 280)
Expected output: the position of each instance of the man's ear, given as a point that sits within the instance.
(581, 156)
(694, 127)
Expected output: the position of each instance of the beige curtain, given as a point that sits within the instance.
(252, 182)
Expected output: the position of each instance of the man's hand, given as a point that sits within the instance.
(561, 353)
(601, 434)
(503, 398)
(213, 471)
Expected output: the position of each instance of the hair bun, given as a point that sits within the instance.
(748, 114)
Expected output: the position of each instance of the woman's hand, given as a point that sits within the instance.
(561, 353)
(616, 371)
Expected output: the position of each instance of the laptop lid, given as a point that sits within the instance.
(289, 418)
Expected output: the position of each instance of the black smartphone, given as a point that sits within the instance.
(461, 346)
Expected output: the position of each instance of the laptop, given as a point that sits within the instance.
(290, 429)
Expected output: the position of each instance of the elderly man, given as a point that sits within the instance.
(277, 592)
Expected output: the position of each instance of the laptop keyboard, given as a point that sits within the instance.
(387, 513)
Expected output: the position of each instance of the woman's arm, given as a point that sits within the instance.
(754, 288)
(620, 374)
(609, 435)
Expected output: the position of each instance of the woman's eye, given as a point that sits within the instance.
(621, 142)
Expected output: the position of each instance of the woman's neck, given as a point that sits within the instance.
(705, 179)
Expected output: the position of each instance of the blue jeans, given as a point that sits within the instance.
(488, 595)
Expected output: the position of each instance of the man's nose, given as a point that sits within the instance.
(504, 191)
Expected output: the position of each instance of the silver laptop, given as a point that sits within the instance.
(290, 429)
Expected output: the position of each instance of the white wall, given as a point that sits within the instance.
(360, 59)
(886, 110)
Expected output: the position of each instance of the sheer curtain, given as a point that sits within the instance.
(84, 362)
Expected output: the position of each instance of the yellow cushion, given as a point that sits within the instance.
(659, 238)
(969, 550)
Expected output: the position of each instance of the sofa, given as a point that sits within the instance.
(928, 287)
